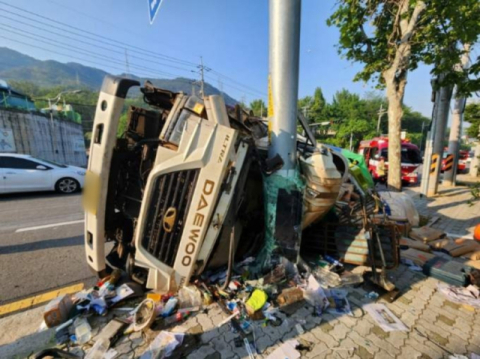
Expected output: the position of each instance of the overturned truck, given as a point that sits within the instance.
(182, 190)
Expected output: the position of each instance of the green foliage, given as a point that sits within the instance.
(259, 108)
(472, 115)
(122, 125)
(350, 114)
(372, 32)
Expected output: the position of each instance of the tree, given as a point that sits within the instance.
(390, 38)
(472, 115)
(352, 116)
(314, 108)
(258, 107)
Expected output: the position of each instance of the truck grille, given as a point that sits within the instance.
(172, 194)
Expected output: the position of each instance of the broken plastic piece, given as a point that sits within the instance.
(256, 301)
(83, 330)
(99, 349)
(327, 278)
(163, 345)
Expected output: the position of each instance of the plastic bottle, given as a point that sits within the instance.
(326, 278)
(169, 307)
(99, 349)
(83, 330)
(333, 261)
(178, 317)
(351, 278)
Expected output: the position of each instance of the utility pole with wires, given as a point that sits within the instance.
(220, 87)
(202, 69)
(380, 112)
(305, 110)
(450, 174)
(127, 65)
(194, 83)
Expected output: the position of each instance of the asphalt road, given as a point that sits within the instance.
(41, 244)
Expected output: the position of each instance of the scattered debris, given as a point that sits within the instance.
(426, 234)
(286, 351)
(163, 345)
(56, 312)
(469, 295)
(385, 318)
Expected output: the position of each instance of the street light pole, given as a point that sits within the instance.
(283, 81)
(381, 112)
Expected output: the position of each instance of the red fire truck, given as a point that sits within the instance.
(377, 147)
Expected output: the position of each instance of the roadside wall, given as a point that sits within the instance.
(32, 133)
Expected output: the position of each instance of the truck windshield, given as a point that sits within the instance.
(409, 155)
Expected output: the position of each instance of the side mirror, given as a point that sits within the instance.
(41, 167)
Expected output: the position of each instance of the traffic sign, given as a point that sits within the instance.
(153, 6)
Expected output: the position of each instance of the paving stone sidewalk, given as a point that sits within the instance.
(436, 326)
(451, 206)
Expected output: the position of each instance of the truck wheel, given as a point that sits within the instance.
(67, 185)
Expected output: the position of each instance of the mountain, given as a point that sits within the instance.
(19, 67)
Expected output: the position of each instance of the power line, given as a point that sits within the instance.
(129, 31)
(90, 53)
(70, 56)
(102, 21)
(83, 42)
(239, 89)
(149, 53)
(120, 52)
(123, 44)
(238, 83)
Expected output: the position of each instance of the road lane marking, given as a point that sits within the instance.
(38, 299)
(48, 226)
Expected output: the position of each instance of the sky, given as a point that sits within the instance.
(230, 35)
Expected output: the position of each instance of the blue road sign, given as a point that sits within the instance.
(153, 6)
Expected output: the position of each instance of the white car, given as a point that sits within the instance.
(25, 173)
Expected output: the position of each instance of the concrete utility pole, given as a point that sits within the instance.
(381, 112)
(450, 174)
(427, 154)
(283, 81)
(441, 119)
(202, 69)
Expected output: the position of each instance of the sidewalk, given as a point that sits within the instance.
(451, 206)
(433, 321)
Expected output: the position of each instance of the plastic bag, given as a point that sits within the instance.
(402, 207)
(163, 345)
(189, 297)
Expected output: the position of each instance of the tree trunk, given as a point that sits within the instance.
(395, 80)
(395, 90)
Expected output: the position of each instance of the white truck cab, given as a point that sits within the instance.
(163, 192)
